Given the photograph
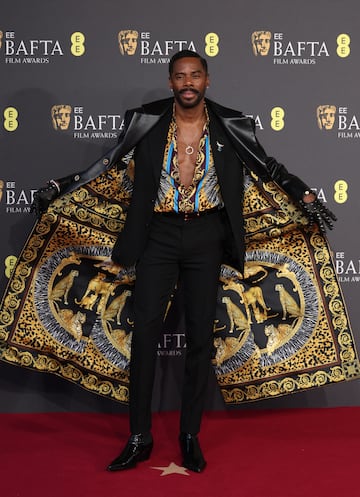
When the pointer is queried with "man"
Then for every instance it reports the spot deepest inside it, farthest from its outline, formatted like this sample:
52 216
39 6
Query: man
184 220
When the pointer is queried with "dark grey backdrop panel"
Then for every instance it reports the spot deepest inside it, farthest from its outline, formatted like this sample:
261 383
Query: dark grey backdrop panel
67 53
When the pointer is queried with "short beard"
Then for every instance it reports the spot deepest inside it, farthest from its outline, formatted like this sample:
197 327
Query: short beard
188 105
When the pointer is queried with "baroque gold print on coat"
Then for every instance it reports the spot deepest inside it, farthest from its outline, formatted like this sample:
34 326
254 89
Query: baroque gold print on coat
280 327
77 302
275 329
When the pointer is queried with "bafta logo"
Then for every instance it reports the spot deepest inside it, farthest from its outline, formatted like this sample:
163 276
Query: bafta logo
60 116
128 39
1 188
326 116
261 42
1 37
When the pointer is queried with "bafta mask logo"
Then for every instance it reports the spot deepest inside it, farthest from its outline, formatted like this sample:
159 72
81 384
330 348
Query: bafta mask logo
1 37
60 115
261 42
326 116
1 189
128 39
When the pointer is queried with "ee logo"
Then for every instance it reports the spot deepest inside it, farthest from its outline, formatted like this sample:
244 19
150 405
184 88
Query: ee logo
340 191
343 45
211 44
277 118
77 44
10 262
10 119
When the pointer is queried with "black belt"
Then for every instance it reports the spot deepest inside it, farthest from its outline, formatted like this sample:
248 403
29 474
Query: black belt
186 216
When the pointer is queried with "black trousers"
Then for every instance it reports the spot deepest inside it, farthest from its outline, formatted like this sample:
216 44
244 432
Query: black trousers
192 251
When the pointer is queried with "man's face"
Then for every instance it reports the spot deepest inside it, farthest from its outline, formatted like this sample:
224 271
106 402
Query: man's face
262 44
327 118
188 82
130 43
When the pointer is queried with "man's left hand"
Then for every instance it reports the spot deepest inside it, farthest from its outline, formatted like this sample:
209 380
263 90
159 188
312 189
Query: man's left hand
317 212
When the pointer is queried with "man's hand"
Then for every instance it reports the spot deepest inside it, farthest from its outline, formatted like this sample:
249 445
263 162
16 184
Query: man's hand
43 198
317 213
309 197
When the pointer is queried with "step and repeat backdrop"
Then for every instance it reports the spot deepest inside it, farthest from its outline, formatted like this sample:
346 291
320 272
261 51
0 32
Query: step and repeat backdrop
69 70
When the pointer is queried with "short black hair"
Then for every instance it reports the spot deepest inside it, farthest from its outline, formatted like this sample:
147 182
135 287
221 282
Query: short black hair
187 53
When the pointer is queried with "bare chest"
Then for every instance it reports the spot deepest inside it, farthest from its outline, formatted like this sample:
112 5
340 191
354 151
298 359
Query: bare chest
188 143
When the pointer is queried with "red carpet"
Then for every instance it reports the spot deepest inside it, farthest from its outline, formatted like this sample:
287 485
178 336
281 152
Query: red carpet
280 453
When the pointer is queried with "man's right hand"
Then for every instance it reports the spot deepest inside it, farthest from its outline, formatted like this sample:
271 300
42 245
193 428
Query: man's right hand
43 198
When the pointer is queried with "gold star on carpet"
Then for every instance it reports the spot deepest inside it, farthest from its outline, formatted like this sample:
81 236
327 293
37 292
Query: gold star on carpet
172 469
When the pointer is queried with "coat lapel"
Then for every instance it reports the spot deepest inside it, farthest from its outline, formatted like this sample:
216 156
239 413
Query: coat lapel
140 124
226 127
218 146
156 140
239 130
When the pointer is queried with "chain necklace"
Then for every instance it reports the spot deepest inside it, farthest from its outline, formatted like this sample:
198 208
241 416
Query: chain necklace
189 149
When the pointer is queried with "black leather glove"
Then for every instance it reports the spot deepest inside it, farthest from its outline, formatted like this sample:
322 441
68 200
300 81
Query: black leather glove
43 198
319 214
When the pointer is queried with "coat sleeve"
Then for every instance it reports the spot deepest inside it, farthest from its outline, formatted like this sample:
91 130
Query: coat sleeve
290 183
66 181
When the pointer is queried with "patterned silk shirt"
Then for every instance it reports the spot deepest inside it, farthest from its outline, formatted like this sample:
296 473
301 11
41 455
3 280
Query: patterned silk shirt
204 191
